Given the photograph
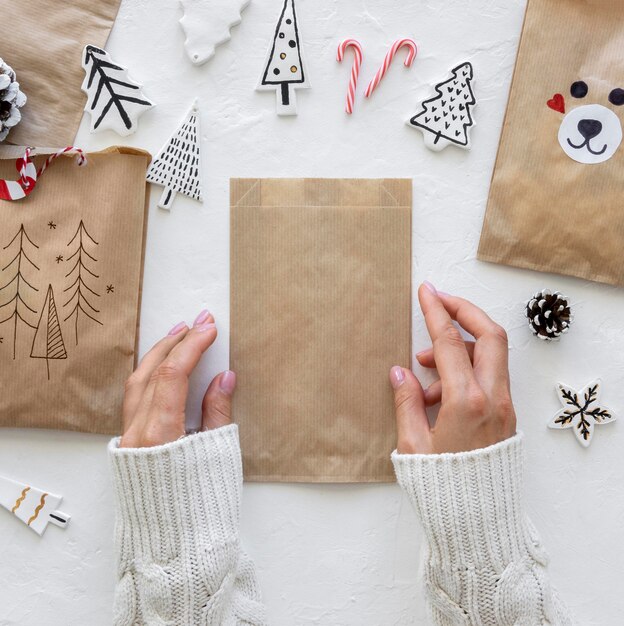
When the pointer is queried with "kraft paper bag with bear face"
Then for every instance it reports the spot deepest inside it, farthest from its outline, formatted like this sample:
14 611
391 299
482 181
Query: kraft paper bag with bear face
320 312
71 260
556 197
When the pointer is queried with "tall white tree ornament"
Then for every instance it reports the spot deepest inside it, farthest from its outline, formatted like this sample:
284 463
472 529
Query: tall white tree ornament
34 507
284 67
207 24
114 100
446 118
177 166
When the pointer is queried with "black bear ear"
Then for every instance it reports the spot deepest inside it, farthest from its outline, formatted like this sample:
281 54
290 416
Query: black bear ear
579 89
617 97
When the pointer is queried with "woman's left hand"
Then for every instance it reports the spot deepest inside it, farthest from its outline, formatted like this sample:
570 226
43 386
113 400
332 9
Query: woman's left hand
154 408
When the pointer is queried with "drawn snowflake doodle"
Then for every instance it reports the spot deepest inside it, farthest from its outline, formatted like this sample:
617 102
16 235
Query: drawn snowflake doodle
581 411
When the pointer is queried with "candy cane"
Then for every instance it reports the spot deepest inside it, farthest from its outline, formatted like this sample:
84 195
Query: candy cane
355 68
17 189
411 55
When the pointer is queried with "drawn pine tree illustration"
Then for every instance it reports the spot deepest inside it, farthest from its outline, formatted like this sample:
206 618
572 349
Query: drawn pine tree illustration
113 99
446 118
177 165
19 288
284 69
48 340
80 294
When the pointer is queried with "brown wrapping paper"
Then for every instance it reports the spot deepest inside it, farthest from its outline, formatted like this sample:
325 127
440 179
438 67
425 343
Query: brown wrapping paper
547 211
42 40
320 311
89 357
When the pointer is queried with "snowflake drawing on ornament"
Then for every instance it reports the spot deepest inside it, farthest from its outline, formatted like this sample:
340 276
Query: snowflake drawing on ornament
581 411
446 118
284 71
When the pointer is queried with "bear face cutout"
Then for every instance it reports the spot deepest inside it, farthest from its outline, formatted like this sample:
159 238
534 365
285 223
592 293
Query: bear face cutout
591 133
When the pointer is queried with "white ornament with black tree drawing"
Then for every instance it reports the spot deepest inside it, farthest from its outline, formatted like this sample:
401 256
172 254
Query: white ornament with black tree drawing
446 118
34 507
284 69
581 411
114 100
177 167
207 24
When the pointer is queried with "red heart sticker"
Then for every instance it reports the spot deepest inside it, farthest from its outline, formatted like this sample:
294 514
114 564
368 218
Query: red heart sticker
557 103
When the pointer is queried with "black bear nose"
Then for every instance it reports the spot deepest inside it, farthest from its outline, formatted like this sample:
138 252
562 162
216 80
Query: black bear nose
589 128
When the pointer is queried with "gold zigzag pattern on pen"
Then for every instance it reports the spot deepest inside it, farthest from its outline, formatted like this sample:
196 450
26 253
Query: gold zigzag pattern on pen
20 500
38 509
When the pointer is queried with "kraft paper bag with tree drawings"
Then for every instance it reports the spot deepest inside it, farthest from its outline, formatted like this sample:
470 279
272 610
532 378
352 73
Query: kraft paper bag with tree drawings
71 258
556 197
42 40
320 311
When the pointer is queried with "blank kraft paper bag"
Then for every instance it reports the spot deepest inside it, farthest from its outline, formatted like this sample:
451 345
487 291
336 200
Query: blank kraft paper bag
556 197
71 259
320 311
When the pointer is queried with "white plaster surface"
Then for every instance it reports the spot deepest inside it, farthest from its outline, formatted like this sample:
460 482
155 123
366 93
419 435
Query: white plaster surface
335 555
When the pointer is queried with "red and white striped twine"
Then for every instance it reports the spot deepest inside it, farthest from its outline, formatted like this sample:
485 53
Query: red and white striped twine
355 68
396 46
82 159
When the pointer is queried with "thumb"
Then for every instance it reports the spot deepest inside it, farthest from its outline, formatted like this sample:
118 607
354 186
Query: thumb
413 434
217 404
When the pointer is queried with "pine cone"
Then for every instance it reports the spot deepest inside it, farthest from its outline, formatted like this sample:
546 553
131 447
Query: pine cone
11 99
548 314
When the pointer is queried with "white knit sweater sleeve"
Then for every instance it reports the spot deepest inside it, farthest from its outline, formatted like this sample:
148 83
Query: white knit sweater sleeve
177 534
484 564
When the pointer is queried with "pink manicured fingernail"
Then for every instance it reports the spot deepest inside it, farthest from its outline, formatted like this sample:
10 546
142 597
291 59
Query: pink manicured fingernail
419 354
429 286
201 318
177 328
397 376
204 327
443 293
227 382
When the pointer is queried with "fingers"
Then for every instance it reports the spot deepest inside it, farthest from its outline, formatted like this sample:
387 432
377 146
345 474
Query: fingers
139 379
427 359
493 350
413 433
217 404
433 393
170 379
451 356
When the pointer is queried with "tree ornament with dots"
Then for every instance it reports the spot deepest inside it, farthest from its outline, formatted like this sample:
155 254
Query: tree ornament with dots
284 69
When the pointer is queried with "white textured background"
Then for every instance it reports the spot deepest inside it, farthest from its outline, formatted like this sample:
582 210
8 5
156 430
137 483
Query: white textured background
335 555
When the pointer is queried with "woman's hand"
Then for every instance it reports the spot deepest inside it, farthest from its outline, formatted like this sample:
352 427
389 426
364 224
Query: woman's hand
476 408
155 399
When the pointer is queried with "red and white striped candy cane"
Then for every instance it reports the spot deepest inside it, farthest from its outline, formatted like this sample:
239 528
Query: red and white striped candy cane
411 55
355 68
28 174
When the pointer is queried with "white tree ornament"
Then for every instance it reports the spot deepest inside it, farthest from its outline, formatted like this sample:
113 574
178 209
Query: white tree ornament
36 508
446 118
581 411
177 165
114 100
207 24
284 67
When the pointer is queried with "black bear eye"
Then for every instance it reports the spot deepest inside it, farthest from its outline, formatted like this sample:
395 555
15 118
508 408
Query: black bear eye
617 97
579 89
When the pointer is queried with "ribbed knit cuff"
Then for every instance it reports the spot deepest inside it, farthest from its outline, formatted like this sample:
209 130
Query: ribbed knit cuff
470 503
166 495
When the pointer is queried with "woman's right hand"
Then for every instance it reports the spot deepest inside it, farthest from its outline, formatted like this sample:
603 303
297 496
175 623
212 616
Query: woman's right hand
476 408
